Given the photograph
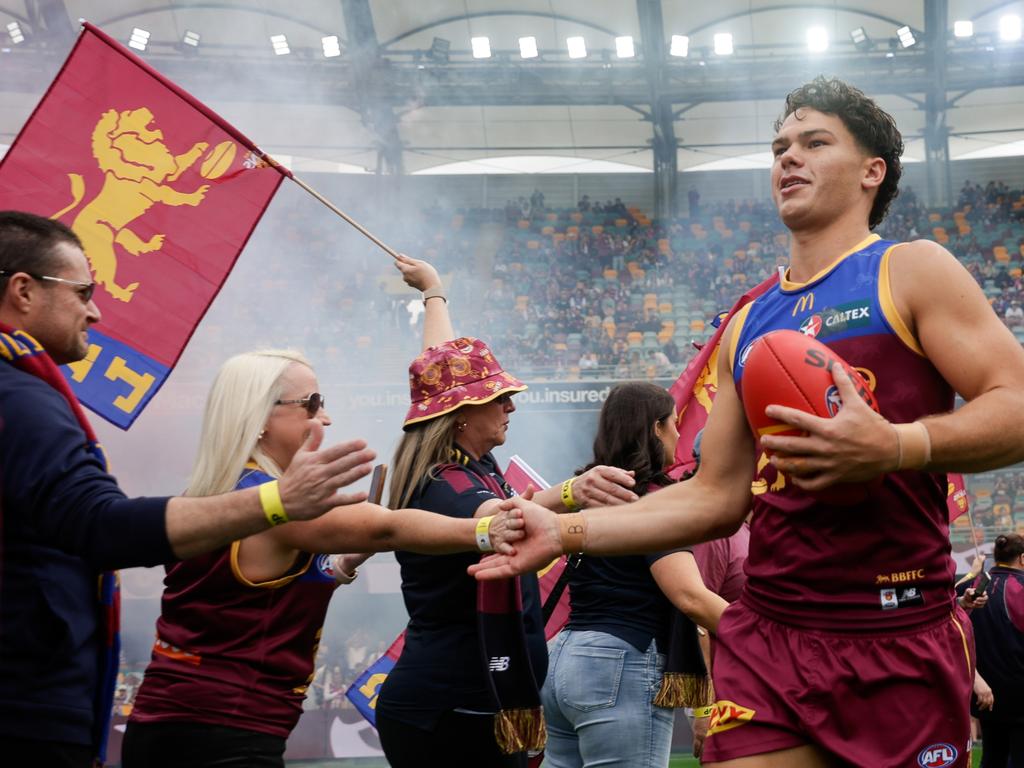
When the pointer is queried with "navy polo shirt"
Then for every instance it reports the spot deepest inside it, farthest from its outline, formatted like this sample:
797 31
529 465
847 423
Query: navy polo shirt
441 667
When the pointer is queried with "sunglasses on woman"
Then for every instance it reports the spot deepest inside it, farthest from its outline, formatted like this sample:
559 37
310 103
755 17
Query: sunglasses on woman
312 404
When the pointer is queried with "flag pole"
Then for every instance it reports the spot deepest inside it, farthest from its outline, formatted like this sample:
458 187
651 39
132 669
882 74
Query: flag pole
362 230
974 536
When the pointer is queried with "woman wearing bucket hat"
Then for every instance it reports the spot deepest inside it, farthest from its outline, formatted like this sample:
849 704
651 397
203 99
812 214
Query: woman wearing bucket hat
240 626
465 688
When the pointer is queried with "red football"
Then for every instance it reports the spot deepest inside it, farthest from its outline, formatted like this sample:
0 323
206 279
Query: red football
791 369
788 368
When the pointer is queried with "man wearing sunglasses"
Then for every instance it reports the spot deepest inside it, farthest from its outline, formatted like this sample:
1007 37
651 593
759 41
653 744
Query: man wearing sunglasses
65 520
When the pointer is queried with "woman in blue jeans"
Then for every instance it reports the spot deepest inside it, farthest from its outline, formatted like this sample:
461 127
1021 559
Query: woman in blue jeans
605 668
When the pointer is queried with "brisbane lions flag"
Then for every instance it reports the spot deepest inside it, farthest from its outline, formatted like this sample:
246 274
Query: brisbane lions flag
695 389
162 192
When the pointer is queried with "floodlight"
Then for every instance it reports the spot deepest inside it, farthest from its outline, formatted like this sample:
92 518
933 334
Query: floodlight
14 30
723 43
280 43
439 50
528 47
906 36
680 46
963 28
577 47
1009 28
331 46
624 48
861 39
139 39
481 47
817 39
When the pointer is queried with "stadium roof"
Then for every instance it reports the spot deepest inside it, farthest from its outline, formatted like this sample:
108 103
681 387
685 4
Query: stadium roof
406 82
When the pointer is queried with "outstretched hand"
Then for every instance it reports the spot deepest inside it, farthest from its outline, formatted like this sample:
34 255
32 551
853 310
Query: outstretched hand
506 529
309 487
417 273
540 545
604 486
857 444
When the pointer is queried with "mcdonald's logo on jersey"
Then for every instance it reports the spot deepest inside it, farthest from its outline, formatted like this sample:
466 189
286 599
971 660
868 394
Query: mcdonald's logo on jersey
804 304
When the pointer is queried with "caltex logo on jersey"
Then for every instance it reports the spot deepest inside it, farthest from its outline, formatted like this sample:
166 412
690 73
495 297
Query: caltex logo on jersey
811 326
937 756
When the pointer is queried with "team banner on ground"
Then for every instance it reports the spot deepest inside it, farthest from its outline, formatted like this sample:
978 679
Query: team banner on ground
162 192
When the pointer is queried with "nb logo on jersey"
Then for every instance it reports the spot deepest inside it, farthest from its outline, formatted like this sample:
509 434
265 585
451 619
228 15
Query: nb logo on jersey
804 304
498 664
937 756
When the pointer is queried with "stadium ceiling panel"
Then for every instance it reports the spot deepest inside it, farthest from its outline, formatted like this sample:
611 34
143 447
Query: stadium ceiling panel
447 107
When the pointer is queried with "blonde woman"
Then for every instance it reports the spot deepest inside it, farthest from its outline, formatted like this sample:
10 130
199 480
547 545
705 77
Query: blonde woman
468 658
239 627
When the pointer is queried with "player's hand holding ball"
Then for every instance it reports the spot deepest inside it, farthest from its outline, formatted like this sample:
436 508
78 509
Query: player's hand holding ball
816 417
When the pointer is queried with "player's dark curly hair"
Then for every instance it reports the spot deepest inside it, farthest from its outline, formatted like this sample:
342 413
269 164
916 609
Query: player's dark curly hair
872 127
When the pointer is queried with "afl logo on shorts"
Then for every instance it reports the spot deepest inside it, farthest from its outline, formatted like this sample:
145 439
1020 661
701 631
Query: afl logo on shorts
937 756
811 326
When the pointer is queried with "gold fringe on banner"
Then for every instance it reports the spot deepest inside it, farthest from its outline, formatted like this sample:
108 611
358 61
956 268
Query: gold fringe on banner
518 730
679 690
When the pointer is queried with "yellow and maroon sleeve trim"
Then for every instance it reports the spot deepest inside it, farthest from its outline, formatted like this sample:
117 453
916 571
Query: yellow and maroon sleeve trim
888 304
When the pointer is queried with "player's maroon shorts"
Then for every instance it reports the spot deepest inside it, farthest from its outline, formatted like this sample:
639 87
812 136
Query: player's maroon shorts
873 700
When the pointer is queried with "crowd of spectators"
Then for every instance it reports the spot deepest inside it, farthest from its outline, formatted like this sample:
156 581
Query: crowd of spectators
597 291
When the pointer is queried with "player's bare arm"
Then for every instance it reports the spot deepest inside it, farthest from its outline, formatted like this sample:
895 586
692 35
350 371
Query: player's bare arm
973 350
710 505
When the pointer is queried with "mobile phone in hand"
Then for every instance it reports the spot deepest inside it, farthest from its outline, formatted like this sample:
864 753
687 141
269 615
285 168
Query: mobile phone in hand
982 584
380 473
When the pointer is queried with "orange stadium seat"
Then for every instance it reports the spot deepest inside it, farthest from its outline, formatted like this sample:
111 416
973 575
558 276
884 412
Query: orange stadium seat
635 338
576 217
1001 254
524 224
611 274
597 229
548 230
533 245
621 222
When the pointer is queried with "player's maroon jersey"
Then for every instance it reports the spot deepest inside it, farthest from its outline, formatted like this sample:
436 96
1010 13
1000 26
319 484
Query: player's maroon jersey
232 652
883 562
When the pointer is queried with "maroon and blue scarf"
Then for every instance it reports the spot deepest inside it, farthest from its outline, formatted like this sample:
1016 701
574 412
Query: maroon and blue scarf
519 724
25 353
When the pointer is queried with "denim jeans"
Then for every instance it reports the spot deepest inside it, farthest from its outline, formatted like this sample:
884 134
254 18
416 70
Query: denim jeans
598 704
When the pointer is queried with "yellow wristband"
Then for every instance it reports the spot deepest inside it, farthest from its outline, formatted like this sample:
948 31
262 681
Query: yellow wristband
483 534
567 497
270 500
703 711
